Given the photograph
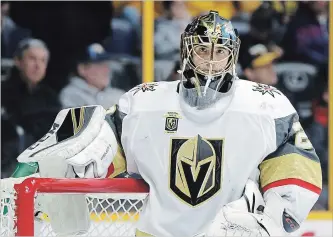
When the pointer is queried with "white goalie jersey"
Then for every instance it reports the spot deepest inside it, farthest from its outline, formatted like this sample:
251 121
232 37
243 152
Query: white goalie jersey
195 162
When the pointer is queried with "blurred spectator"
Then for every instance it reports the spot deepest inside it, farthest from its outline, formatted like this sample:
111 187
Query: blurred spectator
169 28
258 64
126 73
227 9
129 11
13 142
298 83
27 101
28 106
318 132
174 75
11 34
126 29
243 9
123 40
67 27
319 128
261 32
120 7
6 66
281 12
284 9
306 38
90 84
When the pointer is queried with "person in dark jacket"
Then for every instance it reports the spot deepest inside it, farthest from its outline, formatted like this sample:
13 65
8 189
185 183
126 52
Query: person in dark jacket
90 83
306 38
28 106
11 33
261 33
259 64
67 27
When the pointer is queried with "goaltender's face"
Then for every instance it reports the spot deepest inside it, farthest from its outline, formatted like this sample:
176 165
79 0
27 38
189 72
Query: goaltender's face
210 60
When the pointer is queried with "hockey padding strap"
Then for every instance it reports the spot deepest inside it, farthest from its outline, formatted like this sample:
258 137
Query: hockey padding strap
25 169
115 119
291 169
118 165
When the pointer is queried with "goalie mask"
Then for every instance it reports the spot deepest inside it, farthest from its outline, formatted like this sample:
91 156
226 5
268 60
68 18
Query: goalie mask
209 52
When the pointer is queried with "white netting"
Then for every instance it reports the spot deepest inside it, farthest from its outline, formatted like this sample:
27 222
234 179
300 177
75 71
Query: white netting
7 218
7 206
111 214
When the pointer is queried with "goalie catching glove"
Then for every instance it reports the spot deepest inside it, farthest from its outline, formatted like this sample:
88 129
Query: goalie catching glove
80 143
252 216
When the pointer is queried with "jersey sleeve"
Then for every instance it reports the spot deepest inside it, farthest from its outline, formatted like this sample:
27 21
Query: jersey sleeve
293 170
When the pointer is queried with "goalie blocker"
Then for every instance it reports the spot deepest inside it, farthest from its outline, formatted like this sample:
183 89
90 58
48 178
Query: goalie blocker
84 139
82 142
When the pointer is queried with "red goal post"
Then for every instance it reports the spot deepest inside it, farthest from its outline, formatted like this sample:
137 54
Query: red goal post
28 189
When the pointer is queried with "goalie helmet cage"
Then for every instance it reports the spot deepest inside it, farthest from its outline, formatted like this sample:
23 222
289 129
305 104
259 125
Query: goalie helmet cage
114 204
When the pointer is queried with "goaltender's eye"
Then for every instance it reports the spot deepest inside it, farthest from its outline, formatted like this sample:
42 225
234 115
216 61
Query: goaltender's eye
221 51
201 49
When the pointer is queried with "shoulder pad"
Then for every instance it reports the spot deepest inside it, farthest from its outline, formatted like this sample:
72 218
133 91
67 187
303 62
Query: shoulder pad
146 95
279 104
144 87
263 99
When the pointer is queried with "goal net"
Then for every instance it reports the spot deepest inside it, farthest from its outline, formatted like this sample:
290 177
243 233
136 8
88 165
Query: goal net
93 207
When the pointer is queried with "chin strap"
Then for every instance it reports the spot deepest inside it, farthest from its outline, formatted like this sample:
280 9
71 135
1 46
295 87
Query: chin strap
196 84
208 81
183 69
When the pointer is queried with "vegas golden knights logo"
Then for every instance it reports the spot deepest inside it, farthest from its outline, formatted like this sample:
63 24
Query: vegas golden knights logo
195 168
171 121
171 124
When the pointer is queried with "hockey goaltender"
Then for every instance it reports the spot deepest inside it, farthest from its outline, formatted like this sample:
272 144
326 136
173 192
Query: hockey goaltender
222 156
